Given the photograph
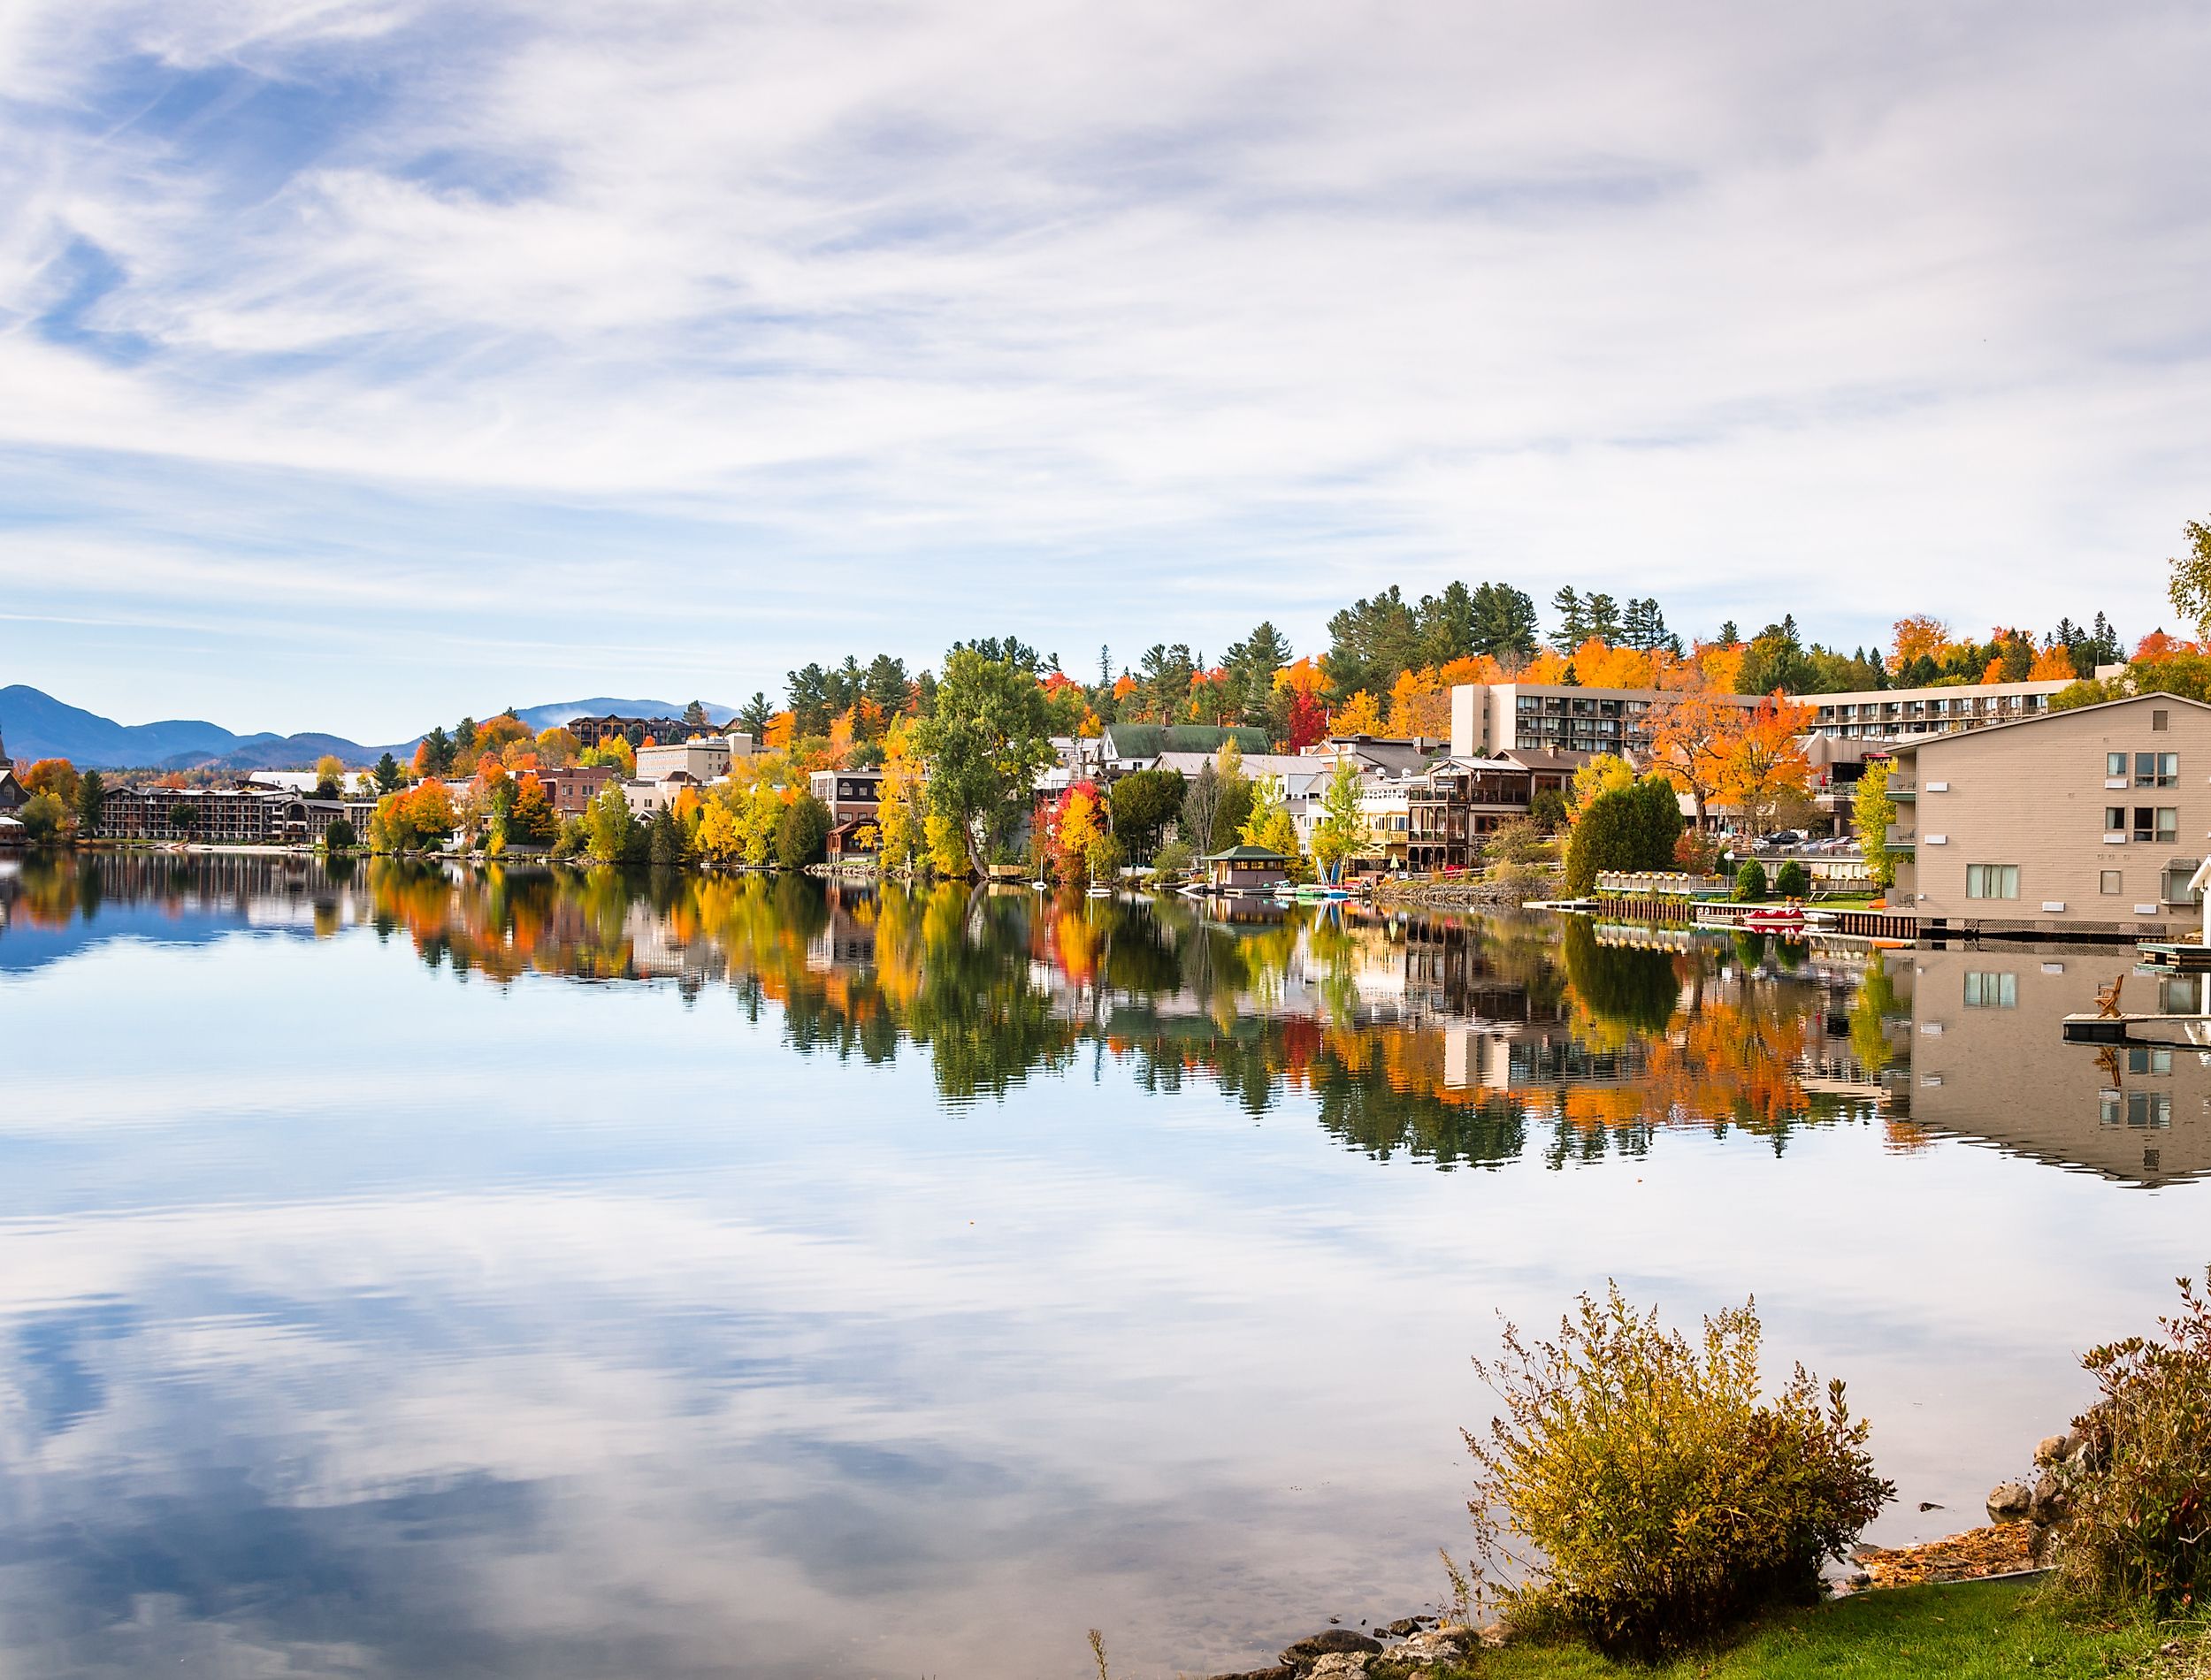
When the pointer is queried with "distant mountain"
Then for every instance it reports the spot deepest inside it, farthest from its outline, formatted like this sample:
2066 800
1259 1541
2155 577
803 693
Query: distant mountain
38 726
35 725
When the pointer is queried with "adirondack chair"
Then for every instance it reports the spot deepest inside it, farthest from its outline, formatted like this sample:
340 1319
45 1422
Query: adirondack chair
2107 999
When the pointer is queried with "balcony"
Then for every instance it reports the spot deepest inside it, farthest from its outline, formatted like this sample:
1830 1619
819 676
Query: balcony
1907 790
1903 841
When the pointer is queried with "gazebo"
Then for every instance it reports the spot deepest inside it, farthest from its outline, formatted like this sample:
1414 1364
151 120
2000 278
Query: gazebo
1247 868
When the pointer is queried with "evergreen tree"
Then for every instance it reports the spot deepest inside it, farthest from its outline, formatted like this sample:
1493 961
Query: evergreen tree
1573 620
753 716
1603 613
388 775
1506 625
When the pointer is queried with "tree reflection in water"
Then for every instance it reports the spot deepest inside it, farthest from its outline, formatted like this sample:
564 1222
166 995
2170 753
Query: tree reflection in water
1453 1040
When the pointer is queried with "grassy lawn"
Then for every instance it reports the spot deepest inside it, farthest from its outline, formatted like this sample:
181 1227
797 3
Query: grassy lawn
1970 1632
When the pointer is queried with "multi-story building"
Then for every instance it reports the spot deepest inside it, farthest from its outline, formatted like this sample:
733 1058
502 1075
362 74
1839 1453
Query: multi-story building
571 790
226 816
2094 817
1492 718
1459 802
853 796
590 732
704 758
1902 713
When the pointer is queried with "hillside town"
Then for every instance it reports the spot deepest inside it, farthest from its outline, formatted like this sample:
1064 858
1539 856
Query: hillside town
1266 775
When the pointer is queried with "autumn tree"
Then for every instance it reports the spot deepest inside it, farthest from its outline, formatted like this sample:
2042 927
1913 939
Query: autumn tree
57 776
1361 714
330 776
1270 824
1077 822
1693 728
986 742
1341 829
1916 637
898 810
1872 808
530 820
1764 765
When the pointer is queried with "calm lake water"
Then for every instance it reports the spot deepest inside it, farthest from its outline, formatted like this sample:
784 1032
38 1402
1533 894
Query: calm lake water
511 1274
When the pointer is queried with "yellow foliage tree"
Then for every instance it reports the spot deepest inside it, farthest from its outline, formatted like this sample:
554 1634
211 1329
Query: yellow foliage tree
1419 704
1361 714
1606 773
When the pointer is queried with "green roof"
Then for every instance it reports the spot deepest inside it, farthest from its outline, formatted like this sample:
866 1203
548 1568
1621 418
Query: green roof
1149 740
1248 854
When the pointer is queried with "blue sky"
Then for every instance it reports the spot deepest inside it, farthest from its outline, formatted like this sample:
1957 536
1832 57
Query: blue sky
364 364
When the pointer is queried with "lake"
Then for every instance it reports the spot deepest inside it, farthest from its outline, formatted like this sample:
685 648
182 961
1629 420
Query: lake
436 1273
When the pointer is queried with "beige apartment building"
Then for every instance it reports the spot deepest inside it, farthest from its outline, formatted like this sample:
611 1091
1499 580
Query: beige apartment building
2091 818
1901 713
1489 719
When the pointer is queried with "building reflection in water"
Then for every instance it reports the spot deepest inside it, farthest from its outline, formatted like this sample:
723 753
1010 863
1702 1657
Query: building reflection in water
1987 1059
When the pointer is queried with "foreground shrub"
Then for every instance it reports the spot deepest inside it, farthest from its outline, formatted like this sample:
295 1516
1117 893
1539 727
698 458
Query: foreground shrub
1660 1500
1750 882
1792 880
2137 1488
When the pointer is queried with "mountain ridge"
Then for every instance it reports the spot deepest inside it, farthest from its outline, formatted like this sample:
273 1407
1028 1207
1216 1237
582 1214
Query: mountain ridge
35 725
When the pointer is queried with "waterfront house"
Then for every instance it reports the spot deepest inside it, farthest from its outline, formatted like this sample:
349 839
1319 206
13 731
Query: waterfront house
13 794
1457 804
2094 819
1246 869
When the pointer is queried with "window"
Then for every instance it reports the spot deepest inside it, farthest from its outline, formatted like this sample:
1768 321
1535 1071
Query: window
2114 765
1991 881
2152 1109
1991 991
2111 883
2156 769
2160 720
2115 819
2175 888
2144 1058
2156 822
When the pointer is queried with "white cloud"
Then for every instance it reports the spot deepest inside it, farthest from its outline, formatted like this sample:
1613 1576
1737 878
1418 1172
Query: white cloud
1855 313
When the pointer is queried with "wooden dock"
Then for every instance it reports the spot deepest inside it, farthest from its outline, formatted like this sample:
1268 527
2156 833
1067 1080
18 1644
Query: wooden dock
2195 1030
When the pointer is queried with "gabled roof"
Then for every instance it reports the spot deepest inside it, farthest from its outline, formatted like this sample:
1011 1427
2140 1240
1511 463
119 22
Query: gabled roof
1248 854
1914 744
1149 740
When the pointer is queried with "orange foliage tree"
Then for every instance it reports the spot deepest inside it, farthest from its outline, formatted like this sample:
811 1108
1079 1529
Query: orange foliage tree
1915 636
1694 729
2051 665
1764 764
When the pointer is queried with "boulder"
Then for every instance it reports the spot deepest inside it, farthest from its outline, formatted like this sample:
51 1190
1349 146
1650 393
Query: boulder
1425 1650
1285 1672
1340 1665
2009 1503
2046 1504
1403 1625
1329 1642
2052 1449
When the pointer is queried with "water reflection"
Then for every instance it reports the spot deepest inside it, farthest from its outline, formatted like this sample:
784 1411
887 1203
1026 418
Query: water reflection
410 1272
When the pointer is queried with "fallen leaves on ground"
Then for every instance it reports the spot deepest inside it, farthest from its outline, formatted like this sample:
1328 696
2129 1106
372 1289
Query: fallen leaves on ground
1997 1550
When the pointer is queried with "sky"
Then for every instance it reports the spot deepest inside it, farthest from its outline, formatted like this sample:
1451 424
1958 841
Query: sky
363 363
